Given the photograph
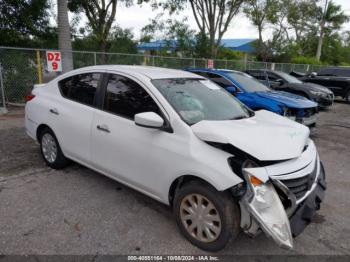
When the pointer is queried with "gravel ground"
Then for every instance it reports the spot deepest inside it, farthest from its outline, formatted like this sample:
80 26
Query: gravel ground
77 211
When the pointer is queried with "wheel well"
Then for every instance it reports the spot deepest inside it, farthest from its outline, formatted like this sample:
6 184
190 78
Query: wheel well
39 129
179 182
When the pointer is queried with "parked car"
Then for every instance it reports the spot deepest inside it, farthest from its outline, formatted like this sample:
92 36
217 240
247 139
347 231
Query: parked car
186 142
281 81
334 71
257 96
336 80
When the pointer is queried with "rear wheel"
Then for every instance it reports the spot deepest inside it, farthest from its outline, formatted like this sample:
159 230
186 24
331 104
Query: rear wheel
206 217
51 150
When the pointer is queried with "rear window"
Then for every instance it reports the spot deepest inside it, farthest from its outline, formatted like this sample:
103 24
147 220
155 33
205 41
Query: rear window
80 88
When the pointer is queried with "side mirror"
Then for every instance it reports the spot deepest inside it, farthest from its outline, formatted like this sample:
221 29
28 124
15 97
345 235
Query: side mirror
148 119
313 74
280 82
231 89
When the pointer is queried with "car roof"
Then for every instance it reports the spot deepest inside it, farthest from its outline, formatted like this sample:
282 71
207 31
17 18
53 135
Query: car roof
148 71
216 70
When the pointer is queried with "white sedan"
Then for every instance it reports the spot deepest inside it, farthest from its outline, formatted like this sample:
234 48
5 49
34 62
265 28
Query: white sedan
186 142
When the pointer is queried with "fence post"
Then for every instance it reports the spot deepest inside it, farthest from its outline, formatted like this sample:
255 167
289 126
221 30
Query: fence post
95 61
194 62
38 62
3 106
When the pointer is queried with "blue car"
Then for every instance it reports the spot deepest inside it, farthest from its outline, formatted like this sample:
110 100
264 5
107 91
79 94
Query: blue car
257 96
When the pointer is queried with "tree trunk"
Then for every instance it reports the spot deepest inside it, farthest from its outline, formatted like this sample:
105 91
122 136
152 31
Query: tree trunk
320 42
260 52
214 48
64 38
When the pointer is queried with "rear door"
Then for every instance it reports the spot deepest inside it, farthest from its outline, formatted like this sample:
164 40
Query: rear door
120 148
70 115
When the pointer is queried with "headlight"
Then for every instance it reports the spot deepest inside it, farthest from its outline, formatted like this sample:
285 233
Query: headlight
288 113
317 93
267 208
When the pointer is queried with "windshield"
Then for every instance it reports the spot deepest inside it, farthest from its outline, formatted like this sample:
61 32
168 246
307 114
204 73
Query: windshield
197 99
248 83
289 78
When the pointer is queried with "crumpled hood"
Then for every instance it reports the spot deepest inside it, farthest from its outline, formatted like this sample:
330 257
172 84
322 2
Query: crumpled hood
288 99
265 136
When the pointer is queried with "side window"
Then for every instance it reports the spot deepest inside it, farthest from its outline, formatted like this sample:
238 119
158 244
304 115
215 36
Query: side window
201 74
80 88
272 77
258 75
126 98
219 80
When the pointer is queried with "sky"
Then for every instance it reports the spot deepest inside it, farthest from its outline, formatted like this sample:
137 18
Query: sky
136 17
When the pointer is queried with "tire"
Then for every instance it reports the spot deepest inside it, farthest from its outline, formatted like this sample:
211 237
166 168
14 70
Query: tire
54 160
347 97
224 207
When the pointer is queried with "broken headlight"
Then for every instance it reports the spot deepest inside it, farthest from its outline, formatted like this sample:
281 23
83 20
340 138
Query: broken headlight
287 112
266 207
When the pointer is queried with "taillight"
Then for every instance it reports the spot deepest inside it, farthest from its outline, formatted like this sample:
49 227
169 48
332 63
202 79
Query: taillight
29 97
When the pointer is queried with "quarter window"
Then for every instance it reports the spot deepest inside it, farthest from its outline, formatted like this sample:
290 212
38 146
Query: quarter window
219 80
126 98
80 88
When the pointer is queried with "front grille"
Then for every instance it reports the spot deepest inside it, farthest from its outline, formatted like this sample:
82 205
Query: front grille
299 186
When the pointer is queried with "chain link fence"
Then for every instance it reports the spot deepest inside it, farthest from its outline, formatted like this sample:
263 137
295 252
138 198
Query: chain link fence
2 94
24 67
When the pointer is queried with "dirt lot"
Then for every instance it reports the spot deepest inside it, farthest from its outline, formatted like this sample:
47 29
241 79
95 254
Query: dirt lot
78 211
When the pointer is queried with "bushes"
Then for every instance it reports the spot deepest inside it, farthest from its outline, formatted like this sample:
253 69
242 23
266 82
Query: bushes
305 60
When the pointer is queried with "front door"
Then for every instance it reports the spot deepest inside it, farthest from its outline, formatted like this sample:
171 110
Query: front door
120 148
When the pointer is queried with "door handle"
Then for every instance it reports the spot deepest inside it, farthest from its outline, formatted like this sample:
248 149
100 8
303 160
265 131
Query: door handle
54 111
103 128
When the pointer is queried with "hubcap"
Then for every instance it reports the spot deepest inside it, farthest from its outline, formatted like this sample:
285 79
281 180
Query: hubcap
49 148
200 218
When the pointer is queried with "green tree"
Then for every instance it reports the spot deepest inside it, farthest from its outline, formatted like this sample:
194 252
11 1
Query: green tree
212 17
332 19
25 22
170 30
260 12
100 15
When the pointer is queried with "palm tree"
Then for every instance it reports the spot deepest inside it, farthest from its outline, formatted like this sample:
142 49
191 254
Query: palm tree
333 17
64 37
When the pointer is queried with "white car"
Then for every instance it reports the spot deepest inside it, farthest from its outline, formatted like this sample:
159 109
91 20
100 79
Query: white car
186 142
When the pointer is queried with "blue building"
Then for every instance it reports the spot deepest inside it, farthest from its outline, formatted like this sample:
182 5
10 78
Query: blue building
241 45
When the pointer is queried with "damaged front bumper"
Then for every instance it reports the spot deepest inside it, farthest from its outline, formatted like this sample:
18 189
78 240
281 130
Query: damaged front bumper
288 201
307 208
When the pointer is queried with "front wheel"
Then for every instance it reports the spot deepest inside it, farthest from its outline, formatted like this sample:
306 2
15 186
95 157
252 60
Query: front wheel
347 97
206 217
